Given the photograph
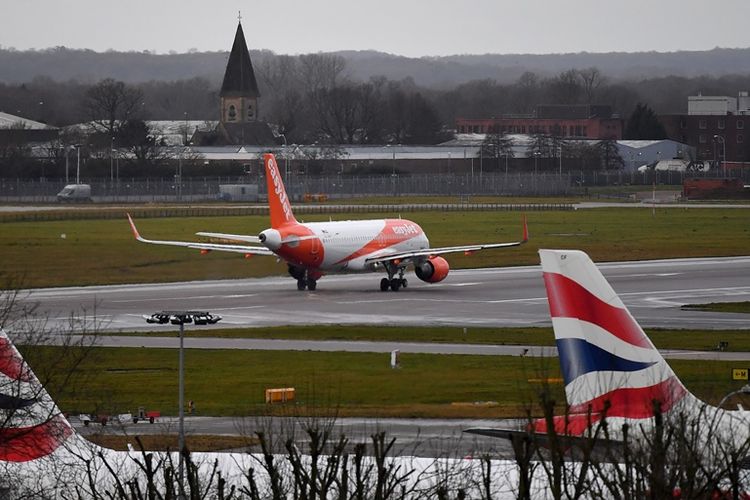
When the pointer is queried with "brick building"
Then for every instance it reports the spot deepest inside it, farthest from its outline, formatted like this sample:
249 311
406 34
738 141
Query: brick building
570 121
716 126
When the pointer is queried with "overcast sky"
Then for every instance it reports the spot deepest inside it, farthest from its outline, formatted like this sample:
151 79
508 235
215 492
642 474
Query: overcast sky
405 27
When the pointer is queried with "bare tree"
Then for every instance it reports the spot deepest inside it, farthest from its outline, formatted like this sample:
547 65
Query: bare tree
592 79
109 104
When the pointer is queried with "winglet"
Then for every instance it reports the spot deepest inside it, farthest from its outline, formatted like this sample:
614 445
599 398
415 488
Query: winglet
133 228
525 230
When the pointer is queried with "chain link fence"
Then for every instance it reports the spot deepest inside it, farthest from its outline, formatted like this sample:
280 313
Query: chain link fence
203 189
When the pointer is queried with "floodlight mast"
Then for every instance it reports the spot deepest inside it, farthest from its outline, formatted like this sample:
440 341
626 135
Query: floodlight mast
180 318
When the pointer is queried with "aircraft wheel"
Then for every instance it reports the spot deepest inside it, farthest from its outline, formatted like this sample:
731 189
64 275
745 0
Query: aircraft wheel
403 282
395 284
301 285
312 285
384 284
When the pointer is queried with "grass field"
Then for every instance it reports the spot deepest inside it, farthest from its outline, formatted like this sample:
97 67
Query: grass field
65 253
739 340
355 384
733 307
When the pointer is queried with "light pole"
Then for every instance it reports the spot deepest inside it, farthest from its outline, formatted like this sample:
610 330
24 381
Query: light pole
720 138
78 163
180 318
111 161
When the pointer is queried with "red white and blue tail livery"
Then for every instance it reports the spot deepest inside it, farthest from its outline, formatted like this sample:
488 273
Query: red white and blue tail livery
314 249
610 368
32 426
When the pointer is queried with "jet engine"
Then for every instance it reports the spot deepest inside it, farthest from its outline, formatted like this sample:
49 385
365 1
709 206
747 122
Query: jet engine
271 238
432 270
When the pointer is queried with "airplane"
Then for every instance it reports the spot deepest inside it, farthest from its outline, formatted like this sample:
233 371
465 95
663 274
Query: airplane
612 372
317 248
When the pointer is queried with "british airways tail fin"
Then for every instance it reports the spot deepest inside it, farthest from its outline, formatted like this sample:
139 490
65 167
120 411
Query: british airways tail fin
32 424
278 202
609 365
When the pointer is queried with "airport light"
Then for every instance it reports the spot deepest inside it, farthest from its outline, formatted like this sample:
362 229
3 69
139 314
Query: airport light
180 318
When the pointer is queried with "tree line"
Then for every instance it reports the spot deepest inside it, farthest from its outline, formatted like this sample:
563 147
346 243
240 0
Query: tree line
314 97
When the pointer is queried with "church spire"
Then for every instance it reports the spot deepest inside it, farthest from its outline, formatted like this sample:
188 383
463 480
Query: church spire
239 77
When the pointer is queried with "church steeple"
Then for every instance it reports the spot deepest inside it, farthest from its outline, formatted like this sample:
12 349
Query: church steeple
239 90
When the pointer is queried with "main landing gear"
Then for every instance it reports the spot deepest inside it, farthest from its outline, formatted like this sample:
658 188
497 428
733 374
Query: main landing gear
308 283
305 279
393 283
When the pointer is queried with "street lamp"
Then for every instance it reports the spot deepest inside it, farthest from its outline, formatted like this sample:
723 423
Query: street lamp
180 318
78 163
720 138
111 161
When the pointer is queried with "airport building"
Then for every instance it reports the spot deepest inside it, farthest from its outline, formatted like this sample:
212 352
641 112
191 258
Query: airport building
568 121
716 126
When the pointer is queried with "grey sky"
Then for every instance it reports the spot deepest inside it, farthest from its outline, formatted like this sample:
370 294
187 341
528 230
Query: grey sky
404 27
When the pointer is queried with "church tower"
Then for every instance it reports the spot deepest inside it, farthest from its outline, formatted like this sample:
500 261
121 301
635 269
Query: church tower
238 119
239 90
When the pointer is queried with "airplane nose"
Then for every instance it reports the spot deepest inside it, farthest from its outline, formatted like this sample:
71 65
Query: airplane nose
271 238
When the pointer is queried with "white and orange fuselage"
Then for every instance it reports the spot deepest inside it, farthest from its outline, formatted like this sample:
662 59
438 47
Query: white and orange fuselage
343 246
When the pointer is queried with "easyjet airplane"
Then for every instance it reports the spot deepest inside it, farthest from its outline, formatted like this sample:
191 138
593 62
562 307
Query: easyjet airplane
317 248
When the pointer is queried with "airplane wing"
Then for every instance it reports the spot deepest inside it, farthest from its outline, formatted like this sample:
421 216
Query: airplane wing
606 449
467 249
244 249
232 237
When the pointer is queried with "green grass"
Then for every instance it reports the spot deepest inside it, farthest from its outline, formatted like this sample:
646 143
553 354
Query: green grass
229 382
732 307
739 340
62 253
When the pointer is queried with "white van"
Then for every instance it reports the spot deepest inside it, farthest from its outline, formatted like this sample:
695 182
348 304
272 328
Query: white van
75 192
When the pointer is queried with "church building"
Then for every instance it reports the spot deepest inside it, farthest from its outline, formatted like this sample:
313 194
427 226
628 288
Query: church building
239 96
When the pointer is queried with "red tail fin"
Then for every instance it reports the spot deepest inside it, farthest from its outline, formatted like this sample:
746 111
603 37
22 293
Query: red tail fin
278 202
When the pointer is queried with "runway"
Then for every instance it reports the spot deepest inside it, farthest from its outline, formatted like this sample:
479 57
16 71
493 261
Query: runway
653 290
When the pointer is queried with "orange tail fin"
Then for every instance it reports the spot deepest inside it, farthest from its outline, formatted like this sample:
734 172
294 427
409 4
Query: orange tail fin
278 202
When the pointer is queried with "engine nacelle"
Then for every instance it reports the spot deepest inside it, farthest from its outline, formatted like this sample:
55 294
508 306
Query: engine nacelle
271 238
432 270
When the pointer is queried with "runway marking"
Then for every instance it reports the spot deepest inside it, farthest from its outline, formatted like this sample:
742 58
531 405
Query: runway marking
647 275
190 297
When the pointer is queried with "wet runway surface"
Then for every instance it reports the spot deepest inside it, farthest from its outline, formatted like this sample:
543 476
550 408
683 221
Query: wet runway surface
653 290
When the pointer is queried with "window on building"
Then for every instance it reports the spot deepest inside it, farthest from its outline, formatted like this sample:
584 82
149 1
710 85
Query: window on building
683 122
250 112
583 131
721 124
702 138
740 124
232 114
703 124
740 139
